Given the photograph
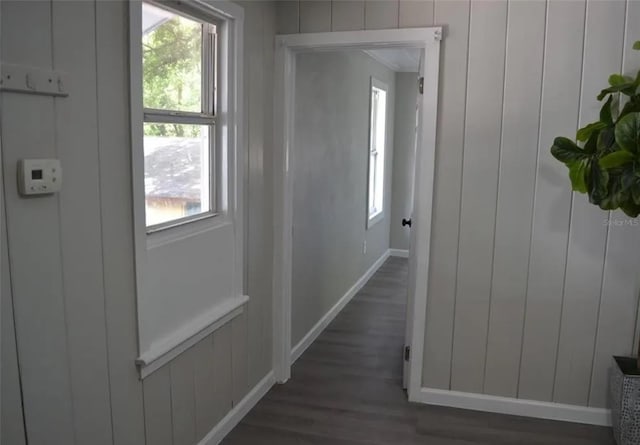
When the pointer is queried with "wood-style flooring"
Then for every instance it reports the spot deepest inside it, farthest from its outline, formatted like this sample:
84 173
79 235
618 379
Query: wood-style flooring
346 390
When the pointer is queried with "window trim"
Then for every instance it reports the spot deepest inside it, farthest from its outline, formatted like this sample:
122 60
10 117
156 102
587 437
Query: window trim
380 214
207 115
230 133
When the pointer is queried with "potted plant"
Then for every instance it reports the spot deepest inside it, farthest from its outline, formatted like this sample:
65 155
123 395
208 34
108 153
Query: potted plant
605 164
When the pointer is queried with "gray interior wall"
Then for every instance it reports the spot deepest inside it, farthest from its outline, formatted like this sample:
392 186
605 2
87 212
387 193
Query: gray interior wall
330 180
403 159
11 420
530 290
74 301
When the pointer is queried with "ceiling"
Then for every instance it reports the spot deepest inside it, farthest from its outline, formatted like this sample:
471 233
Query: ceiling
405 60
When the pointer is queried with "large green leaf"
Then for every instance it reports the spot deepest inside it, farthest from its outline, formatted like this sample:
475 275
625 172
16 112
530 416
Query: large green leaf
606 141
630 208
605 112
627 88
616 159
591 146
635 192
636 45
632 105
628 132
627 177
565 150
619 79
598 180
615 195
615 107
578 175
585 132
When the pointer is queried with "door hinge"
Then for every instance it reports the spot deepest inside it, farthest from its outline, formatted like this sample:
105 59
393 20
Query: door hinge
421 85
407 353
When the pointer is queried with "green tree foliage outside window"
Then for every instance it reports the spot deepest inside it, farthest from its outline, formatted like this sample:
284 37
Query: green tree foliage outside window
172 72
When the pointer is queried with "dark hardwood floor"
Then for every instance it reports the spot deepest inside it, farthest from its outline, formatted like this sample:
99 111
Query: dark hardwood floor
346 390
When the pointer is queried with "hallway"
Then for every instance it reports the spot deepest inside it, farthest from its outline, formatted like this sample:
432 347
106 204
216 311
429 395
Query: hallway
346 390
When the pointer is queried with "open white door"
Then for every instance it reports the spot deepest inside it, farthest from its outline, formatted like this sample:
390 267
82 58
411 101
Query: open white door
411 278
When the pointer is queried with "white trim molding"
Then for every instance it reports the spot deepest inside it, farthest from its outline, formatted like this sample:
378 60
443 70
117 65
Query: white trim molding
233 417
164 351
516 407
321 325
400 253
157 347
287 46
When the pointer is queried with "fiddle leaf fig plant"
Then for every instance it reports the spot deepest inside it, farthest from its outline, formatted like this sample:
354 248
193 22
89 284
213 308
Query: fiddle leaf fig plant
605 161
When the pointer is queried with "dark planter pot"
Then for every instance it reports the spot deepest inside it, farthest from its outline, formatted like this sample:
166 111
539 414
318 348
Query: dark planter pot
624 389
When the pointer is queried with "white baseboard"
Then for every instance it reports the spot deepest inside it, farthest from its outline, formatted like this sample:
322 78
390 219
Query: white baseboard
229 422
320 326
516 407
402 253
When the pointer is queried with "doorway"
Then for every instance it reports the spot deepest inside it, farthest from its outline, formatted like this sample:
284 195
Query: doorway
426 41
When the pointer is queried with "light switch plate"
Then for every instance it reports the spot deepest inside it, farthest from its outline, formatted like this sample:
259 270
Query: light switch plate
39 176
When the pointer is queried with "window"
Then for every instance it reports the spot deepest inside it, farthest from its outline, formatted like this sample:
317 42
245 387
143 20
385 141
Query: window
377 134
187 160
179 92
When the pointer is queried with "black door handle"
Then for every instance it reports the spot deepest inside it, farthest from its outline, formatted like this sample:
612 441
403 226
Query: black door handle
406 222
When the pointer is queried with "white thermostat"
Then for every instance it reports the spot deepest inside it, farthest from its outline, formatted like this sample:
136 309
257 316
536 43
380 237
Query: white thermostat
39 176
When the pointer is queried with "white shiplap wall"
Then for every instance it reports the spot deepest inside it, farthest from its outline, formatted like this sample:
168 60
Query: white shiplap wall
530 292
68 277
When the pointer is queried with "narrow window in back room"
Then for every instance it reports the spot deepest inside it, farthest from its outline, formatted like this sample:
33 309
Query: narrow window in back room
377 128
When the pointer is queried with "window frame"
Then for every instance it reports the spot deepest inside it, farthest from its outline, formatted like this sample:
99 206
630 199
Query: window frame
373 219
155 352
210 71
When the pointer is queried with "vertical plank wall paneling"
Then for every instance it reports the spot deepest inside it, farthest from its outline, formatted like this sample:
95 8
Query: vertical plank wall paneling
263 288
76 324
239 357
39 303
412 13
127 411
11 419
259 67
481 160
224 379
380 14
547 260
183 398
253 59
604 37
542 291
204 387
74 51
315 16
157 407
288 17
347 15
618 299
524 53
447 192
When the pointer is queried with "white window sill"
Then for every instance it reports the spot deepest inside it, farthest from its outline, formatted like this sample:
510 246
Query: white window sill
184 231
375 219
164 351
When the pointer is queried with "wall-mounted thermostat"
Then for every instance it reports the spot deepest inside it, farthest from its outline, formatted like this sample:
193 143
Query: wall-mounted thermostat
39 176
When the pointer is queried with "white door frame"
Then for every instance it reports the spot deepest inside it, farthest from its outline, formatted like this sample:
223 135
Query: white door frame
286 48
